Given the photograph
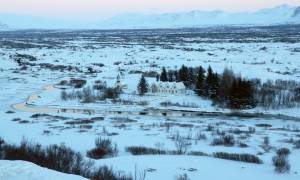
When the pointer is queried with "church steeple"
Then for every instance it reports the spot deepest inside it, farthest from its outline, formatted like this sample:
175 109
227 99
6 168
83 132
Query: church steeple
118 79
118 82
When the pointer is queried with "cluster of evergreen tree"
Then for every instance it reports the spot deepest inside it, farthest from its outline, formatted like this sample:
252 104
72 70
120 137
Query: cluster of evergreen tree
184 74
226 89
230 90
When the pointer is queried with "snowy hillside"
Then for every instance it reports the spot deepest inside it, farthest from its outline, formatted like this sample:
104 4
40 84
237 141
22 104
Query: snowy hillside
22 170
283 14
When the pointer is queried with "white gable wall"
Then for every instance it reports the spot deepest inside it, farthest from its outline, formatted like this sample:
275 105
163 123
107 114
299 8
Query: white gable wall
168 88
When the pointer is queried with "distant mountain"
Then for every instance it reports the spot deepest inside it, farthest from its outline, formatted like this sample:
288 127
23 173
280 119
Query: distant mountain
279 15
283 14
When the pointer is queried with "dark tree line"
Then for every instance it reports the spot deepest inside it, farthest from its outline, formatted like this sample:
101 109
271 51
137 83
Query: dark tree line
184 74
226 89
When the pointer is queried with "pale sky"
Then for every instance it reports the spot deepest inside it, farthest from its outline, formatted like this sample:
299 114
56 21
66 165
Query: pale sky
107 8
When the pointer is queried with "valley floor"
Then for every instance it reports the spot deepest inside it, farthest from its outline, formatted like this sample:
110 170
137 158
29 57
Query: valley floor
31 106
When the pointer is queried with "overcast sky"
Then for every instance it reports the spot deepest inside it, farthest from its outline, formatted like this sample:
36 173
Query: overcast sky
107 8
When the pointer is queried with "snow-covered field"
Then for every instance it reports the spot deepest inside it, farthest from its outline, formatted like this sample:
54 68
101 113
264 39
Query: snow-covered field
256 53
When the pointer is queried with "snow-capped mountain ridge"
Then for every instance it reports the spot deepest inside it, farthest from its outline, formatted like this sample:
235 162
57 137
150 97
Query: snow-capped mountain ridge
283 14
279 15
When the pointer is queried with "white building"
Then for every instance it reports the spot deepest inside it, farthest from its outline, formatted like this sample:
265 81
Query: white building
168 88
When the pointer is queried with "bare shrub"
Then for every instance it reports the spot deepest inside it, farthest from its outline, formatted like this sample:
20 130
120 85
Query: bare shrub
106 173
197 153
200 136
182 177
104 148
59 158
280 161
263 125
226 140
140 150
182 144
283 152
281 164
80 121
139 174
24 122
249 158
